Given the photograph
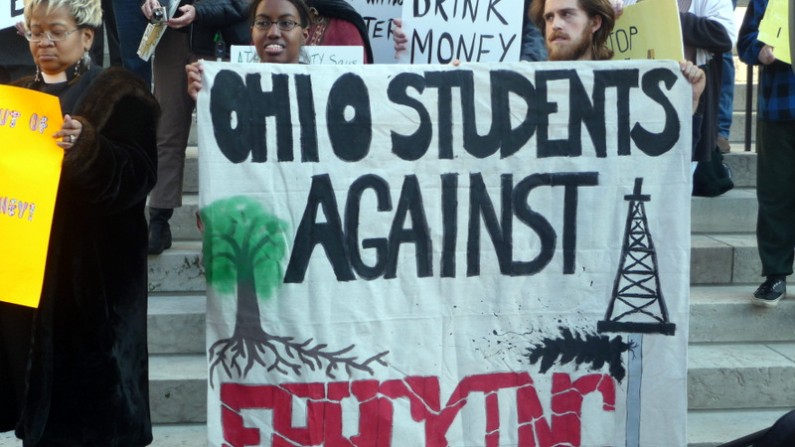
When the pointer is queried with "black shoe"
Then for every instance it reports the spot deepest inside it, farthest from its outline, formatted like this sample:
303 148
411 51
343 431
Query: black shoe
771 291
159 230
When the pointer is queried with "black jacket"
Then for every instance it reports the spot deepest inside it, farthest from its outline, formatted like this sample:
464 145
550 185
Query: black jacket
229 18
710 35
88 364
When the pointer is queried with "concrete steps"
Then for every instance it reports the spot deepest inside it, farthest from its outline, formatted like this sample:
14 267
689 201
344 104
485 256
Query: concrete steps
741 360
741 370
715 259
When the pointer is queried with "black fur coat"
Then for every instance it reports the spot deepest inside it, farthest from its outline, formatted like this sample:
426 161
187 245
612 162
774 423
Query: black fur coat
87 373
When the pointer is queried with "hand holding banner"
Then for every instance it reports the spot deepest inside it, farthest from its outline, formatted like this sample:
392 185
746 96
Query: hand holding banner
30 168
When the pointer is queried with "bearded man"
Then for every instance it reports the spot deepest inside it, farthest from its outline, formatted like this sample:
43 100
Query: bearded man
575 29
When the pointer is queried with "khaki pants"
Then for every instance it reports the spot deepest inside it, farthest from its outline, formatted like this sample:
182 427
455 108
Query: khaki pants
171 90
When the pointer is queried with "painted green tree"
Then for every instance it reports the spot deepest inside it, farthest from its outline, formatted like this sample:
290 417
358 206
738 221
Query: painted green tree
244 248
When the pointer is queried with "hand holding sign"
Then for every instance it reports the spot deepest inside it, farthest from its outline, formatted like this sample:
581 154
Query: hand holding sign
774 31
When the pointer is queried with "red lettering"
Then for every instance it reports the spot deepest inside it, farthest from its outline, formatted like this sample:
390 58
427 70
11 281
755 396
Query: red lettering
324 421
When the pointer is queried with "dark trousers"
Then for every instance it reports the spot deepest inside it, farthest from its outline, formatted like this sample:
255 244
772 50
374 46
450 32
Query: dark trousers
15 331
775 183
130 25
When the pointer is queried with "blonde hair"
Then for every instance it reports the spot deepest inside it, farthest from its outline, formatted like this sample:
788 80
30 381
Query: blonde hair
87 13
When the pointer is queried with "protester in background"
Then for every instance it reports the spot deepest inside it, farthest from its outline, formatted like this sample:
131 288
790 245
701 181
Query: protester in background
130 26
191 34
85 379
775 146
330 22
335 22
726 101
533 47
532 43
279 31
575 29
15 60
109 21
707 31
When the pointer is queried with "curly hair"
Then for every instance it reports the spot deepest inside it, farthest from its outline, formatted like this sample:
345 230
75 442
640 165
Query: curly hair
87 13
593 8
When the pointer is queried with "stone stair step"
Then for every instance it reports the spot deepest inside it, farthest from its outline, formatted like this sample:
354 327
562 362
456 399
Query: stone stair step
177 269
178 388
741 375
165 435
715 259
720 376
732 212
743 166
176 324
179 435
724 314
737 129
183 222
705 429
740 90
724 259
711 428
190 181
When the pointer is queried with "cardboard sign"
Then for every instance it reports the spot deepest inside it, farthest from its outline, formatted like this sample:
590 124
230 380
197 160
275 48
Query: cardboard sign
774 29
378 16
648 30
11 12
30 168
431 256
315 55
467 30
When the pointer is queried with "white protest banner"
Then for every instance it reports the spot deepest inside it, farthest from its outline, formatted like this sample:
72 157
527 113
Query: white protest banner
315 55
467 30
433 256
11 12
378 16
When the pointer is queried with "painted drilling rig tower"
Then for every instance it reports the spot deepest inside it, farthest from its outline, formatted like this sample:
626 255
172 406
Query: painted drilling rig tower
637 305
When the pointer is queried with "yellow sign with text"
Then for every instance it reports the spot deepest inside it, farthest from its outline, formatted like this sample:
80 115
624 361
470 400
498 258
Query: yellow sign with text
649 29
774 29
30 169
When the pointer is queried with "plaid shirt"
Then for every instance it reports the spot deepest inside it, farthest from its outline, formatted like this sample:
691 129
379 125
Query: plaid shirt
777 81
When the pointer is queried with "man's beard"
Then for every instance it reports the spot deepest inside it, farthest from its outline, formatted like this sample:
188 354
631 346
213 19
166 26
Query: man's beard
571 50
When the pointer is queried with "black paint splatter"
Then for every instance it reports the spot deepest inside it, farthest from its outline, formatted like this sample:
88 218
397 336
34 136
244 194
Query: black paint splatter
596 350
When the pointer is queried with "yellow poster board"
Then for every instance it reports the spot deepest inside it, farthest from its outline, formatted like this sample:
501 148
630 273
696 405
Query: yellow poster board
649 29
30 168
774 29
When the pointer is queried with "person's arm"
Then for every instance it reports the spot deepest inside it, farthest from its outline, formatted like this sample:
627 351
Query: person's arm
749 48
704 33
113 162
194 72
697 79
218 13
399 37
533 47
